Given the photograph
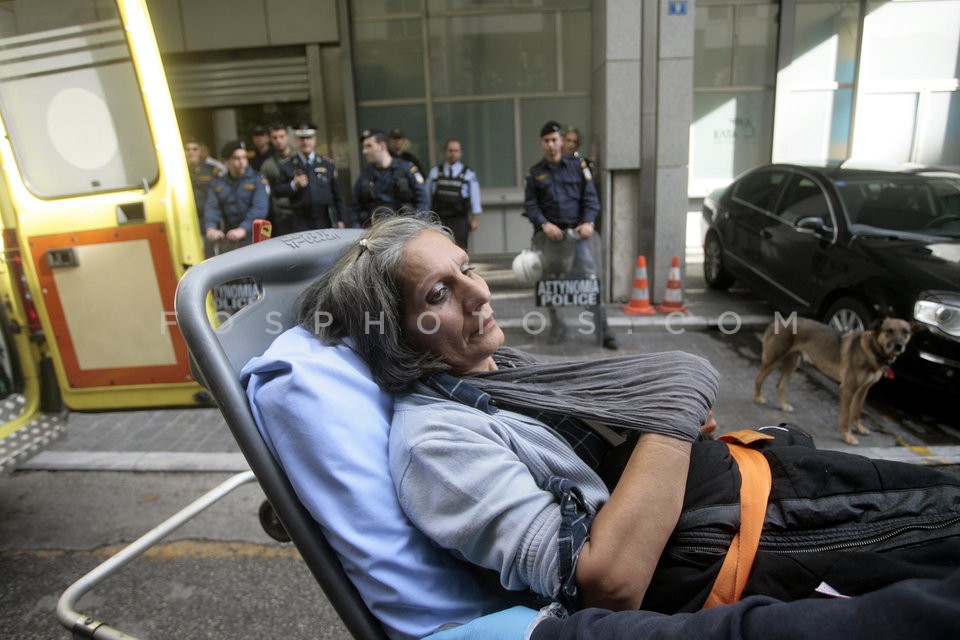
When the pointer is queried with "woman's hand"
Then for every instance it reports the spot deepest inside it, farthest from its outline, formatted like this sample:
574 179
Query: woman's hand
631 530
710 426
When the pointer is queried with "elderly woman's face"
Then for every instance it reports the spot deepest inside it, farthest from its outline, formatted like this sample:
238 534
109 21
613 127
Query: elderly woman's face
447 305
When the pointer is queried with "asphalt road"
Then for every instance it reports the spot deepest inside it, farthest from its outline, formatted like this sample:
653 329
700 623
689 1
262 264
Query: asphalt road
219 576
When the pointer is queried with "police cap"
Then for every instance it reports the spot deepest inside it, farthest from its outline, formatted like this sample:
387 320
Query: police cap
232 146
261 130
377 133
397 133
305 130
552 126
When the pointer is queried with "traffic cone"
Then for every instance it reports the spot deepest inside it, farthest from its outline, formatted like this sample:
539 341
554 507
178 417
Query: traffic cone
673 296
639 304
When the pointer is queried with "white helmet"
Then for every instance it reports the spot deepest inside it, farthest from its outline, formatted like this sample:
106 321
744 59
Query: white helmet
528 267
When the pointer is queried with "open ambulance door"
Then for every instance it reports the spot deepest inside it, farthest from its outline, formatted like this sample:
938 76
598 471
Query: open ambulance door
97 215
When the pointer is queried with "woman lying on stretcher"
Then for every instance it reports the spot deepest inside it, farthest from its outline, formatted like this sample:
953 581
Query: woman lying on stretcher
500 458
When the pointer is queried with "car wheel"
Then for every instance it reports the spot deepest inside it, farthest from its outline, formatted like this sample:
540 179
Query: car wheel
848 314
714 273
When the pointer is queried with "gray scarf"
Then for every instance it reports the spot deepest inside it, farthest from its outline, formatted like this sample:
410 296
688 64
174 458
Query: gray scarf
669 393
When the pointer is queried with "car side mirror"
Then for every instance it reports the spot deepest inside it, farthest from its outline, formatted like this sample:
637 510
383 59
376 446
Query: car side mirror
813 224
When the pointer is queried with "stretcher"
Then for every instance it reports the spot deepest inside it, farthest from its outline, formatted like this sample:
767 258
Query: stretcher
282 268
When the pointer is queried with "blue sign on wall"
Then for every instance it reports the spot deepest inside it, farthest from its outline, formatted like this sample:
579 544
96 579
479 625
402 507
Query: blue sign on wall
677 7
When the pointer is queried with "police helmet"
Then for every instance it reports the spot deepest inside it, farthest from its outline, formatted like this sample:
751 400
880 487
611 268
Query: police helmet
527 266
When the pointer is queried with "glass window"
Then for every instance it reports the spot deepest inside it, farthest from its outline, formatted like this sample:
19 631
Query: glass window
70 101
825 42
411 118
713 46
455 5
884 126
903 203
939 138
735 53
493 54
490 64
535 112
486 131
802 199
760 189
910 41
819 124
756 52
732 132
576 50
384 7
389 59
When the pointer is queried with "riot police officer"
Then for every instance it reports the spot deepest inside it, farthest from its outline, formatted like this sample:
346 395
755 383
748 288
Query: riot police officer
386 181
310 181
235 200
561 201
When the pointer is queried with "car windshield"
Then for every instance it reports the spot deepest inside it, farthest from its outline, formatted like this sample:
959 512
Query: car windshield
925 204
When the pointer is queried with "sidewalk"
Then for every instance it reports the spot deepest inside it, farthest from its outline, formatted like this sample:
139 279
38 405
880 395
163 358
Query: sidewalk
724 328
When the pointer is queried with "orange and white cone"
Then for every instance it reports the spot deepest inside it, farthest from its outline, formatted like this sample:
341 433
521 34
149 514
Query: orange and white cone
639 304
673 296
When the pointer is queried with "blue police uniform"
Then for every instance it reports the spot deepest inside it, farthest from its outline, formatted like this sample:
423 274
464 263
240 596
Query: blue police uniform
233 203
320 204
400 184
202 175
562 193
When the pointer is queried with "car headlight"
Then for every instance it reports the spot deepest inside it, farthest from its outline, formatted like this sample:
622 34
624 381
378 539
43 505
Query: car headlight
942 315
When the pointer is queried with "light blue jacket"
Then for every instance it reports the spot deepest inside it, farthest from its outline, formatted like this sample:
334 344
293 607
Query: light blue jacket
476 484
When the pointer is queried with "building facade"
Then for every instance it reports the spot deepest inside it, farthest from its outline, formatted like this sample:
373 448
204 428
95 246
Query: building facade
673 98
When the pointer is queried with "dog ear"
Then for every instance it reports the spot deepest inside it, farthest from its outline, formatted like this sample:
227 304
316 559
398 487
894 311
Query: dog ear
876 325
916 327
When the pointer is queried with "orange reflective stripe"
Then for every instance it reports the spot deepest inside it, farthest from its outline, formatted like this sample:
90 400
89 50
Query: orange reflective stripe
744 436
755 482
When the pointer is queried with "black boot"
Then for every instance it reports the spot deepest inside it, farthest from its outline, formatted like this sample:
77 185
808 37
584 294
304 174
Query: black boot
558 330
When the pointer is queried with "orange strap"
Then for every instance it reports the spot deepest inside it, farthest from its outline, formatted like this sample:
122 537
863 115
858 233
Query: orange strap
755 485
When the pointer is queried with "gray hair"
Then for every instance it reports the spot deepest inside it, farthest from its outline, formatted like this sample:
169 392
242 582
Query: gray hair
359 300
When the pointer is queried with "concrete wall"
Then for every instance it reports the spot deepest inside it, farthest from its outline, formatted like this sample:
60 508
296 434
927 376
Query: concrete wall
209 25
643 106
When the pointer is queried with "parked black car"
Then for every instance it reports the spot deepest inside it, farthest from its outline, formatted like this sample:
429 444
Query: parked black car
846 246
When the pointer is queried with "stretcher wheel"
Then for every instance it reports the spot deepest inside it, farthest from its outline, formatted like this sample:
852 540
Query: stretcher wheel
271 523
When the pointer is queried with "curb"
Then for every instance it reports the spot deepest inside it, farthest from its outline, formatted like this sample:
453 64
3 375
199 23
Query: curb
135 461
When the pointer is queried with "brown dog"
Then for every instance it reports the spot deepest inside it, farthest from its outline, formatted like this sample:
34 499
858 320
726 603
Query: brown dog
855 359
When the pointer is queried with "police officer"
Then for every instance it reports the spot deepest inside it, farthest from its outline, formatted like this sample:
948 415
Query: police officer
386 181
235 200
201 174
310 181
561 202
281 213
262 148
455 193
398 148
